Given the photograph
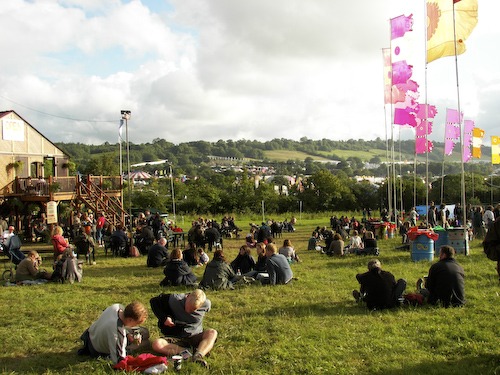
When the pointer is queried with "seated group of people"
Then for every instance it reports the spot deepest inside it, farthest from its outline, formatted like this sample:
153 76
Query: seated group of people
365 244
65 268
28 267
444 284
118 332
272 265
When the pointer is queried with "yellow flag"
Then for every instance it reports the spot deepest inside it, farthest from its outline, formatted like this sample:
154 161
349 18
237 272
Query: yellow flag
477 141
440 38
495 150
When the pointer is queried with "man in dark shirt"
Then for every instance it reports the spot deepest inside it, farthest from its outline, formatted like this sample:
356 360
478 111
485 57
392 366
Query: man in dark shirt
180 319
212 236
277 266
144 238
379 289
445 281
158 254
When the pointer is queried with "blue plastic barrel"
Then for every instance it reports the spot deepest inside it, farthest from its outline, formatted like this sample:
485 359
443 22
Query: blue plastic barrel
422 248
441 241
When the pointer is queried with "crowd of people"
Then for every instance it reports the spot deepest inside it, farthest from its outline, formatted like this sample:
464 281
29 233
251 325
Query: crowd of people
118 332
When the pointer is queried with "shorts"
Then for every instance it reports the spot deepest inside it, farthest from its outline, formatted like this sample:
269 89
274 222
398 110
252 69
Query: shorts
185 342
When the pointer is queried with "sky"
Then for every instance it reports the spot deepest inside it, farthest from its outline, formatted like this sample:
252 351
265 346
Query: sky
191 70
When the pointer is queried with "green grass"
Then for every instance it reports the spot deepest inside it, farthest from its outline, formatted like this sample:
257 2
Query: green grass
284 155
310 327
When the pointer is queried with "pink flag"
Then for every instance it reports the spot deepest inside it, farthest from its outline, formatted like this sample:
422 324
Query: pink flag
400 25
386 54
468 129
400 90
405 116
425 111
452 116
422 145
452 130
401 72
423 128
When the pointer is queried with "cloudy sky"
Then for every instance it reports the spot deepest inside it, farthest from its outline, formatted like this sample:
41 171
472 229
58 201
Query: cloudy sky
227 69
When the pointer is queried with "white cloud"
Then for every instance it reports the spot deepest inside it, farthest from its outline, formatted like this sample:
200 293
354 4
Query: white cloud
224 69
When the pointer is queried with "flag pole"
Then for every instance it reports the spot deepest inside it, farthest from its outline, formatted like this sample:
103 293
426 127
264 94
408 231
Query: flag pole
427 182
389 191
442 164
464 207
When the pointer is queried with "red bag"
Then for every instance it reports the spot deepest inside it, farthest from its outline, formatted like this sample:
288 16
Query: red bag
139 363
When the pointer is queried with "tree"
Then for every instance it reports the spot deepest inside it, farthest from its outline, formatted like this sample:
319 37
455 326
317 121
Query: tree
326 192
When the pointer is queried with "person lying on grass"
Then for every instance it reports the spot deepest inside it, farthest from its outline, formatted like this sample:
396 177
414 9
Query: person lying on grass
180 319
116 332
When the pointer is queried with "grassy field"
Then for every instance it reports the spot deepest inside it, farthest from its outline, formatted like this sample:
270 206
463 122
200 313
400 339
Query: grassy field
310 327
284 155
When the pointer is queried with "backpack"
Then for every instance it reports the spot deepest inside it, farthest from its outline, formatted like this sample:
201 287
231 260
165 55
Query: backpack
491 243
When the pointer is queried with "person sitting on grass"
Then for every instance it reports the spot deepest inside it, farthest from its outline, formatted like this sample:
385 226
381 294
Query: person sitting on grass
203 257
190 255
370 245
313 243
277 266
112 334
289 252
379 288
336 246
158 254
243 263
355 243
260 270
445 282
218 274
180 320
29 268
177 272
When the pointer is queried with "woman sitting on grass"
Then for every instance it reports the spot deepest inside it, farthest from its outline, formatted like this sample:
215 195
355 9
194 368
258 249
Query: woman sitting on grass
243 263
336 246
355 243
218 274
177 272
289 252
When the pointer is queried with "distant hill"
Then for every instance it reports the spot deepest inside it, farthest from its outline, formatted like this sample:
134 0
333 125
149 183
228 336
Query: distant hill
195 154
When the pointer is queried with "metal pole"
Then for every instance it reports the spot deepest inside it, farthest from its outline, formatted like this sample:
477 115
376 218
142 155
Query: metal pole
263 217
173 193
491 184
126 116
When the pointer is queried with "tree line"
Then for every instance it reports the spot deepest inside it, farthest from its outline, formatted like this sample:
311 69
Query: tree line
199 186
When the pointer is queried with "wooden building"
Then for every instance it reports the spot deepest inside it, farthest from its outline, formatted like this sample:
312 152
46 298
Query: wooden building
33 170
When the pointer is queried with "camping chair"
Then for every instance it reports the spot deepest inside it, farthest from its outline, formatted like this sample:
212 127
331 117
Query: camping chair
13 251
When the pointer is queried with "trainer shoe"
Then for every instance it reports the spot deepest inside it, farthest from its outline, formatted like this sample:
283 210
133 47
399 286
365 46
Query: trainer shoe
197 358
357 295
420 284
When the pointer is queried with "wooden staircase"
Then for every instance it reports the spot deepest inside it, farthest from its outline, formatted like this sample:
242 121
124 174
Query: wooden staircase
90 193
